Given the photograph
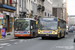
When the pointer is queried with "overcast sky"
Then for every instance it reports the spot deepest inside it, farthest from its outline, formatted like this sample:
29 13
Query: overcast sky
71 7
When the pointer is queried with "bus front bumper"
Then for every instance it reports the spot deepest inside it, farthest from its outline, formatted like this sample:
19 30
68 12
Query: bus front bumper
49 35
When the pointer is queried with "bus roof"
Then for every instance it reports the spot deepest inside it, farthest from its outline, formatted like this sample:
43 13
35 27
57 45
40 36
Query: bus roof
55 18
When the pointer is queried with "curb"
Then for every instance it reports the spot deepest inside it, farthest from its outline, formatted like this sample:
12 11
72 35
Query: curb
6 39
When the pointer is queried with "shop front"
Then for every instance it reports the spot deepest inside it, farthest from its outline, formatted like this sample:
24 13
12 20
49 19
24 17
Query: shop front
8 17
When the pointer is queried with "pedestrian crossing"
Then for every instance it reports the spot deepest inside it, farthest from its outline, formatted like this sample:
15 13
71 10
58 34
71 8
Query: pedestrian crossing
15 42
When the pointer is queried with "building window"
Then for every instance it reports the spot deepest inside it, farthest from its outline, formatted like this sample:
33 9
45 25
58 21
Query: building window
48 14
20 3
5 1
45 13
34 0
10 1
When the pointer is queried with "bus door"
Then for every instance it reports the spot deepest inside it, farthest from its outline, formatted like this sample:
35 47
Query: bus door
33 28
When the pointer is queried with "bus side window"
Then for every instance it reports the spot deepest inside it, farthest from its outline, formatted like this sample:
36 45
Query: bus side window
33 24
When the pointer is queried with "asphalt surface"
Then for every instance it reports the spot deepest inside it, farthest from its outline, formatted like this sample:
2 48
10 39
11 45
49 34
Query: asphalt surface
39 44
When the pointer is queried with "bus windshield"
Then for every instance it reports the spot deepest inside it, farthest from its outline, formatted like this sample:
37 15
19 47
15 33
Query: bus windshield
22 25
47 25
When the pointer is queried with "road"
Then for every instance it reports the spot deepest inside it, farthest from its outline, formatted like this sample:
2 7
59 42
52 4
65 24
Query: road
39 44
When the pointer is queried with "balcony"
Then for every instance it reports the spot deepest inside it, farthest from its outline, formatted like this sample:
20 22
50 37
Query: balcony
43 8
43 0
31 11
39 7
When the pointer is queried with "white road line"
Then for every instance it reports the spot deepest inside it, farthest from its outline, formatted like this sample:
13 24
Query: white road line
55 45
1 47
4 44
21 41
11 40
16 43
9 45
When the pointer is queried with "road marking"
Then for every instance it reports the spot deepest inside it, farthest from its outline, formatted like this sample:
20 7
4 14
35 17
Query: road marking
55 45
1 47
16 43
9 45
11 40
21 41
4 44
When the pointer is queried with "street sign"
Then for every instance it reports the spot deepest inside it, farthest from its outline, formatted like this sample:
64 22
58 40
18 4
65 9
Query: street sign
0 26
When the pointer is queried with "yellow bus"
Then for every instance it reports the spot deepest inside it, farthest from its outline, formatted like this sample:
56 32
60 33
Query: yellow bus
51 27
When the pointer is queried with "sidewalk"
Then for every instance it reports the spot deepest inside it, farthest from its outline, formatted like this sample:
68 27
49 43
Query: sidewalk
8 37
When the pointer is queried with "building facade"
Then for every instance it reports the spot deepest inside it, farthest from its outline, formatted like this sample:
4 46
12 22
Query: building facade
48 8
25 7
7 8
31 8
40 8
57 8
71 20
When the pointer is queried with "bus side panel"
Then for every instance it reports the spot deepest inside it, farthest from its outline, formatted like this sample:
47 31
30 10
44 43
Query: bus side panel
22 35
62 25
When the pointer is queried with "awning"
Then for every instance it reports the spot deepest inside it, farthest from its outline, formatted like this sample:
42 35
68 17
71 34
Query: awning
7 7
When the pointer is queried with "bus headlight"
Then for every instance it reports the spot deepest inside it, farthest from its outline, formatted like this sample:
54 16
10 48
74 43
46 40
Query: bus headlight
55 32
38 31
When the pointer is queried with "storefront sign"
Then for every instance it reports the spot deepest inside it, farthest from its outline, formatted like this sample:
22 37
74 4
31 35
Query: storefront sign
1 16
9 13
0 26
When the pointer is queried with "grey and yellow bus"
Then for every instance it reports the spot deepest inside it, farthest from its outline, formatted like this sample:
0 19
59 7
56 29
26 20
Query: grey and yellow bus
25 27
51 27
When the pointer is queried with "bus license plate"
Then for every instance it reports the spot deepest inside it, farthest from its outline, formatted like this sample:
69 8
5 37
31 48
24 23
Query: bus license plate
47 35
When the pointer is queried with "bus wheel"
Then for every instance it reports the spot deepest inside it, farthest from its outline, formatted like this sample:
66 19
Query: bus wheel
43 37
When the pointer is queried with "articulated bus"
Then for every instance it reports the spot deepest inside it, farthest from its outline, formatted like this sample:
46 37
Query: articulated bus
25 27
51 27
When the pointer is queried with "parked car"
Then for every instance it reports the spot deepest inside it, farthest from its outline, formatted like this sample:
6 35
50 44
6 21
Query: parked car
71 29
74 29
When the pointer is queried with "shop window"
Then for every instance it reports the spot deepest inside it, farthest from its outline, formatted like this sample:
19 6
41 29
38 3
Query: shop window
48 14
10 22
5 23
45 13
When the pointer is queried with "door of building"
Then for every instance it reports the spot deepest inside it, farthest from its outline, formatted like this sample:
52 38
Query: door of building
9 24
